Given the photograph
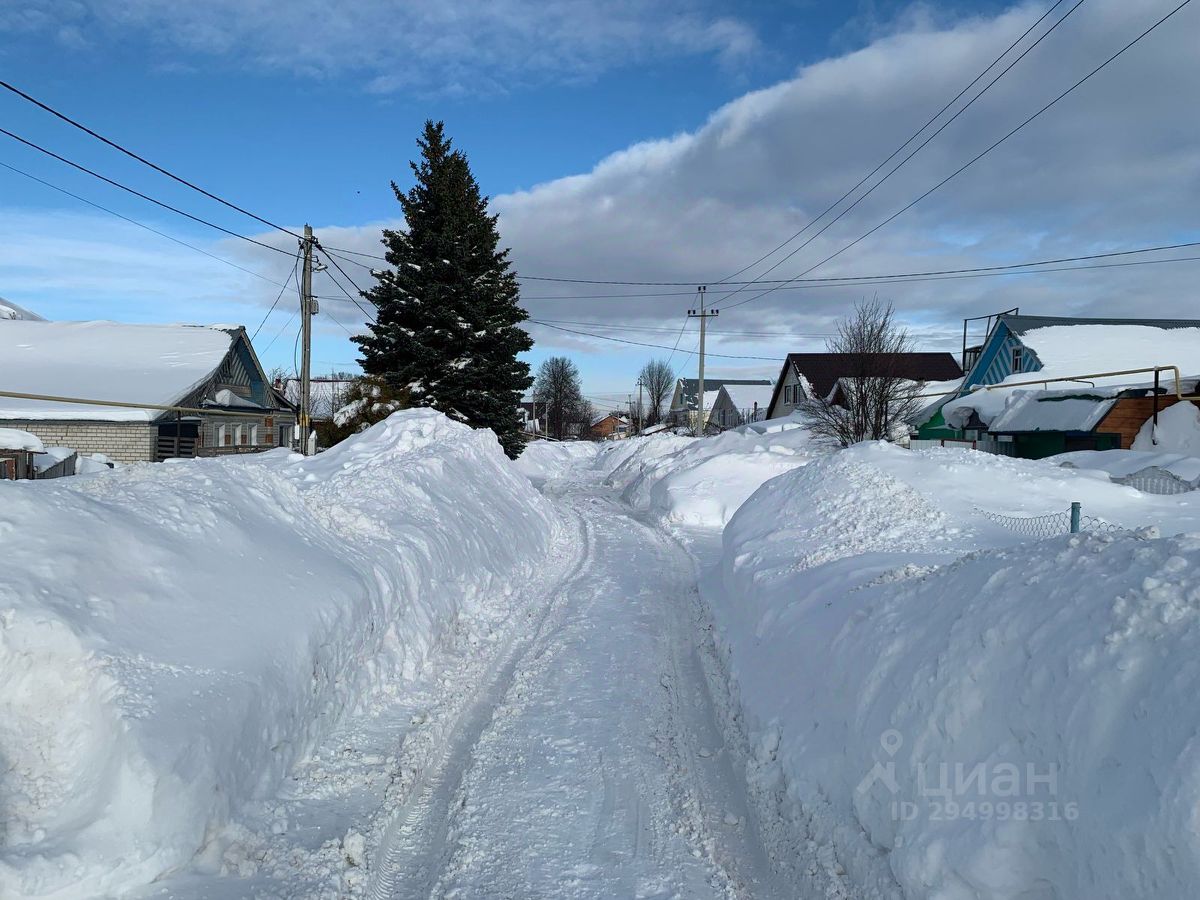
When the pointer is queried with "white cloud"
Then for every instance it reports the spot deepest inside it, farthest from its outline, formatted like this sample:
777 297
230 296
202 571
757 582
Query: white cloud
450 45
1115 165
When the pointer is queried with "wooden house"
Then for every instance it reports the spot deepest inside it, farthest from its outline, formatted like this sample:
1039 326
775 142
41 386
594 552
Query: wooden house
226 404
740 404
1040 385
685 398
817 376
609 427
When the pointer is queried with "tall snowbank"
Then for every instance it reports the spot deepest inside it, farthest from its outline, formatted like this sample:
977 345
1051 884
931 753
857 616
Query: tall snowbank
954 708
702 482
174 637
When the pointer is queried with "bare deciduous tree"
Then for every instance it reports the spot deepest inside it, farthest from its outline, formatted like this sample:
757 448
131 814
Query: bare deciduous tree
658 380
872 401
557 389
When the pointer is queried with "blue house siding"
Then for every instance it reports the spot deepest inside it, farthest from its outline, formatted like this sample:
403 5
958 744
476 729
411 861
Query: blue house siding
995 362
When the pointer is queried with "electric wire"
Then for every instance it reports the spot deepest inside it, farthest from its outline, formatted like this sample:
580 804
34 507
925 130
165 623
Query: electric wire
919 131
820 231
282 288
137 193
977 157
64 117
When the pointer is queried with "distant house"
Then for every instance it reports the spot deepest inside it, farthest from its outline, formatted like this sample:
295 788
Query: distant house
209 370
609 427
327 394
1040 385
684 400
740 404
533 417
818 376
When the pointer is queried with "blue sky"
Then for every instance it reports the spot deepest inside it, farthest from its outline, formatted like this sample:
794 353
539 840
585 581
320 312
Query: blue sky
639 140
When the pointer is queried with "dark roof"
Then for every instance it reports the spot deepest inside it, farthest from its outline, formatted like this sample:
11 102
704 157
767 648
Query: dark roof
1020 324
688 386
824 369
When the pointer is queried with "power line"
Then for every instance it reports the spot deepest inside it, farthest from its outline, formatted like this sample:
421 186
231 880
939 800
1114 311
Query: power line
931 275
142 225
138 193
351 297
918 132
820 231
281 331
977 157
143 160
282 288
605 337
827 279
338 322
620 326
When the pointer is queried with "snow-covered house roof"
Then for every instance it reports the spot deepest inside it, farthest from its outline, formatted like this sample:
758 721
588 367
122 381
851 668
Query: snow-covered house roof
10 310
747 396
158 364
686 389
600 417
1069 348
821 373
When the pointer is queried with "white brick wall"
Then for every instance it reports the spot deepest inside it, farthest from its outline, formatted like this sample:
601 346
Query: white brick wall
123 442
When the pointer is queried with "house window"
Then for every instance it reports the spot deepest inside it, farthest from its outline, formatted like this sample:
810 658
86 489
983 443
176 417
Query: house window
222 436
254 434
1016 359
239 435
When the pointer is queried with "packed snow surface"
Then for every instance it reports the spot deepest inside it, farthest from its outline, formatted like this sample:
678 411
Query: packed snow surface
175 637
156 364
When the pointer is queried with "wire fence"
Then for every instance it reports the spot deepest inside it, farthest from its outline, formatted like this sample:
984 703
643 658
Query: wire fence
1156 482
1068 521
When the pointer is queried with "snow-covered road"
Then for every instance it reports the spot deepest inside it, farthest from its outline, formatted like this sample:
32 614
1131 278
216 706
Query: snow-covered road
590 762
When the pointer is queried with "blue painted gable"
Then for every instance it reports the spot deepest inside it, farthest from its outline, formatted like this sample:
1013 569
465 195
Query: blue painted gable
995 361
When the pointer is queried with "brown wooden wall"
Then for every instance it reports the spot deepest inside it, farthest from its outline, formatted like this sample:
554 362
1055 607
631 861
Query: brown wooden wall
1129 414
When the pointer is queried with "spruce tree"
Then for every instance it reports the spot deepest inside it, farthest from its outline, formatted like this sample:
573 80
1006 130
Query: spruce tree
447 330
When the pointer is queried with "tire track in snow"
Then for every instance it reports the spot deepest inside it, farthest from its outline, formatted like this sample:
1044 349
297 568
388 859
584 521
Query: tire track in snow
414 847
600 771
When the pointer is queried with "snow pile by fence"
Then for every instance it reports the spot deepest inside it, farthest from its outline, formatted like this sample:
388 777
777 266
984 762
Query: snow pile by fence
952 708
174 637
702 482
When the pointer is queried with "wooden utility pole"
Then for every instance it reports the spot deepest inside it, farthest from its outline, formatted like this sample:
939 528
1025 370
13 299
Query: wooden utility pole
307 310
703 316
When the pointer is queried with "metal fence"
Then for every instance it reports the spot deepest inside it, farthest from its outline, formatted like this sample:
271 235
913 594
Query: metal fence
1068 521
1156 483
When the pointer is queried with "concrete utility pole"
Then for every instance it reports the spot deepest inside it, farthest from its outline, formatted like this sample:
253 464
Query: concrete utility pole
308 308
703 317
641 415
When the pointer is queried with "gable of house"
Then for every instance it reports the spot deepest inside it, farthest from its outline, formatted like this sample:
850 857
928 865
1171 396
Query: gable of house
197 367
816 375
